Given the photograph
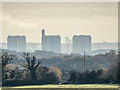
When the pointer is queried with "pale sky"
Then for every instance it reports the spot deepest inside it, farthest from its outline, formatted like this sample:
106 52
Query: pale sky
100 20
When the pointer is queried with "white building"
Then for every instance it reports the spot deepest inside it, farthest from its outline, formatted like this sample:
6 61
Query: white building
16 43
81 43
51 42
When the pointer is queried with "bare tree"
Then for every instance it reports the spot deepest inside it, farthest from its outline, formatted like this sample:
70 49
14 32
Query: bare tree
31 65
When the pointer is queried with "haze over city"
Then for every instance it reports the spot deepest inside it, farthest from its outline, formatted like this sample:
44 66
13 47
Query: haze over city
71 45
100 20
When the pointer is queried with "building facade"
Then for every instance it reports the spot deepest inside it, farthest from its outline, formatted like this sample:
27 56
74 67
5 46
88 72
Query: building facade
66 47
16 43
51 42
81 44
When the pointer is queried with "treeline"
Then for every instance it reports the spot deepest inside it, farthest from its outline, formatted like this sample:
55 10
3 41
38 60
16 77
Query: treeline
102 76
32 72
92 77
100 61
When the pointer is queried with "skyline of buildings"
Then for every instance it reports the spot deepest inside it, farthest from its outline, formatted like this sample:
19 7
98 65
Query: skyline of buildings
31 47
79 44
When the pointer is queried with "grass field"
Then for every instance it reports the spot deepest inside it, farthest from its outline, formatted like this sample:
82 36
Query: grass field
112 86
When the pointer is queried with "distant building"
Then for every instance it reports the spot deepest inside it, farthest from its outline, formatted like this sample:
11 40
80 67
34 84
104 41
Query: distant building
81 43
51 42
16 43
68 40
67 46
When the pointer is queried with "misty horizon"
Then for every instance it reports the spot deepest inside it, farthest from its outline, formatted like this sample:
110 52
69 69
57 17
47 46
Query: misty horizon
100 20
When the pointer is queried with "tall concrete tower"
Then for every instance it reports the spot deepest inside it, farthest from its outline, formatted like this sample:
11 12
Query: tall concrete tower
51 42
81 43
43 37
16 43
43 33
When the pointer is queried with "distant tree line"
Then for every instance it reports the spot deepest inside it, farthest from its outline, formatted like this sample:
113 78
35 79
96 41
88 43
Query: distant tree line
112 75
32 72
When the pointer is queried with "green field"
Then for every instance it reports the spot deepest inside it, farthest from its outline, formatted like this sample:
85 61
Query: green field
85 86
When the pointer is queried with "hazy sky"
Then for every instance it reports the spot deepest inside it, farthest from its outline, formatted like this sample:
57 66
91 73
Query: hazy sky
100 20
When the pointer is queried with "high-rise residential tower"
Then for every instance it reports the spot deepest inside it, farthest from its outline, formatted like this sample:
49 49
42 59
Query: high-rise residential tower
51 42
81 44
16 43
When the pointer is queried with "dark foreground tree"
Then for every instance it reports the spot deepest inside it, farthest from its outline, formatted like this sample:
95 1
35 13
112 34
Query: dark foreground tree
31 65
6 59
47 76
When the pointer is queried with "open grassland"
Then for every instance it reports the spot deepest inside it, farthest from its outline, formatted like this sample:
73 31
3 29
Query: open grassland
68 86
